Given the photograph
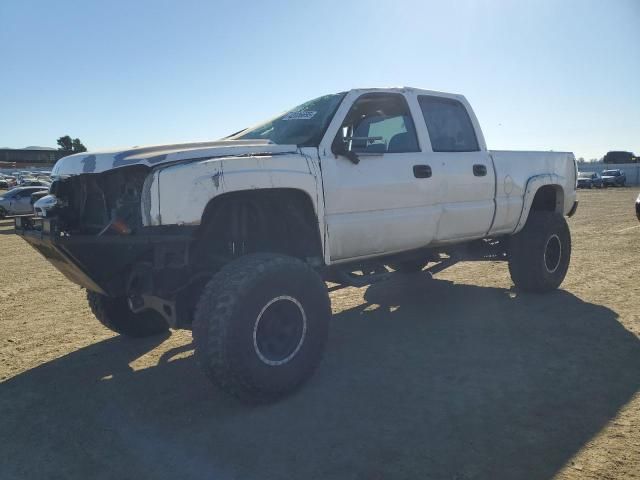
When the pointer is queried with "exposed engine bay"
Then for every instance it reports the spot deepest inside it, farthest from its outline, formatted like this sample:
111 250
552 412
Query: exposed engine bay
102 204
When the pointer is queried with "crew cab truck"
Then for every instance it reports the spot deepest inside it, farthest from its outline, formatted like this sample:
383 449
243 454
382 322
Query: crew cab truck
235 239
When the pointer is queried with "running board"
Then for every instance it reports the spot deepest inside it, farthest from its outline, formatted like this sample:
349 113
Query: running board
367 274
441 265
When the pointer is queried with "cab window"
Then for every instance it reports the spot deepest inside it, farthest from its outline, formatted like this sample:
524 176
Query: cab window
379 123
450 128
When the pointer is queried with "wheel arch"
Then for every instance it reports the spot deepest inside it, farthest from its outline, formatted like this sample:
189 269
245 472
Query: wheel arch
543 193
279 220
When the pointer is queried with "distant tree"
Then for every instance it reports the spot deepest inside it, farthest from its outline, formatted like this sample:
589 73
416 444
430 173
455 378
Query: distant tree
78 146
581 160
66 144
69 145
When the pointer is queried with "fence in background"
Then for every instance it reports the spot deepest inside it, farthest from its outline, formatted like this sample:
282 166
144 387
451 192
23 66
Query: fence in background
632 170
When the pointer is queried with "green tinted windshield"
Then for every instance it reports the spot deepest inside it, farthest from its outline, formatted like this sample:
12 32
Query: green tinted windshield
303 126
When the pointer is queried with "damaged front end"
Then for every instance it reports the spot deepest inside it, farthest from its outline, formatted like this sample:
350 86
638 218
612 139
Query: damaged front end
94 234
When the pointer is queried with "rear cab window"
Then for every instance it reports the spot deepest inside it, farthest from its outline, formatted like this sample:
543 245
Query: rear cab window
448 123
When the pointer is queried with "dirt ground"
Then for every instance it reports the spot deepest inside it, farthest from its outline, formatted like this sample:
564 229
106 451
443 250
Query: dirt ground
456 378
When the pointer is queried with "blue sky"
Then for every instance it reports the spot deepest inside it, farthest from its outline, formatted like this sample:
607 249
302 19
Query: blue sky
546 75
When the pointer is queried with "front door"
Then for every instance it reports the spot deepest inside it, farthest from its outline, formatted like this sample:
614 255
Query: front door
378 190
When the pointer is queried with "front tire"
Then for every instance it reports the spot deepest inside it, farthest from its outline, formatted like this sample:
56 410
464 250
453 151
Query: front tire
540 253
261 326
115 314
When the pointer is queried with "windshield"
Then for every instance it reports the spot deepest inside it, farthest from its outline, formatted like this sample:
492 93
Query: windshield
303 126
584 175
610 173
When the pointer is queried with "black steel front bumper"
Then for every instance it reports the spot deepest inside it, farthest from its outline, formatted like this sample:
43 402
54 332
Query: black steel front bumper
151 261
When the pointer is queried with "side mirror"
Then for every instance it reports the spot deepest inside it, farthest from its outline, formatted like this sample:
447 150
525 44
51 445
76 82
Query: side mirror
338 147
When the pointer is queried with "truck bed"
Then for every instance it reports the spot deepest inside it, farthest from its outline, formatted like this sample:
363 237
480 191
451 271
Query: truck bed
515 168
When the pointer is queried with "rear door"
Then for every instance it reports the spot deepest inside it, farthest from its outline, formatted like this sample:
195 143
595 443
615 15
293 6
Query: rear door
465 169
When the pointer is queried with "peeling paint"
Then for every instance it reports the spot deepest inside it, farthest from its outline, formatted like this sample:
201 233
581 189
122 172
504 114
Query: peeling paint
120 159
217 177
157 159
89 164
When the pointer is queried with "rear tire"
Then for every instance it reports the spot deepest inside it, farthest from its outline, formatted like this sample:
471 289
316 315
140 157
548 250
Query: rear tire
540 253
261 326
114 313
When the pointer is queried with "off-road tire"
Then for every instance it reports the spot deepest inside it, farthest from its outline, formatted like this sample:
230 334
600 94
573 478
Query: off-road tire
114 313
231 311
3 212
540 253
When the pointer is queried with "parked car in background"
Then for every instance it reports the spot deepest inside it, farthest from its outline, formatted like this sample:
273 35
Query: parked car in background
620 157
37 196
42 203
589 180
6 181
35 183
18 201
614 178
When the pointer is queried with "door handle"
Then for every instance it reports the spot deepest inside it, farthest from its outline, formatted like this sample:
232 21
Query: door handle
422 171
479 170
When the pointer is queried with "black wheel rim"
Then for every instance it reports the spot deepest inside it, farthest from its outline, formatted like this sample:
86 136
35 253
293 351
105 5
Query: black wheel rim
552 253
279 330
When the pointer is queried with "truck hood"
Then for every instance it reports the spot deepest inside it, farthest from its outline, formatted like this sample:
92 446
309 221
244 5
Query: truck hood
150 156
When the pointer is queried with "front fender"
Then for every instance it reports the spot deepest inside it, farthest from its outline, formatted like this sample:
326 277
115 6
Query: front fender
178 194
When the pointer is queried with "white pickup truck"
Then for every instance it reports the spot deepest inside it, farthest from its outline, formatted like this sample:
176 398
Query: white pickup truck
236 238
